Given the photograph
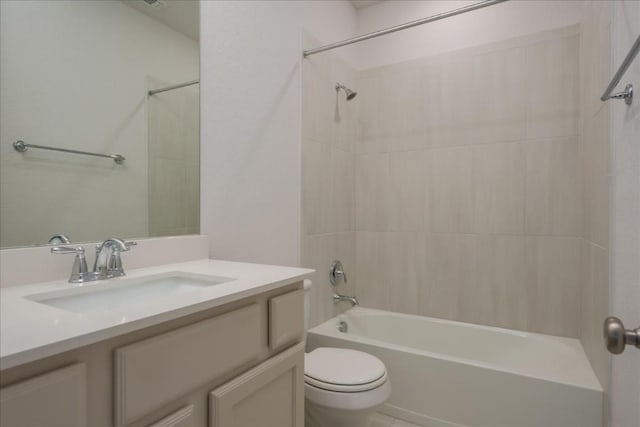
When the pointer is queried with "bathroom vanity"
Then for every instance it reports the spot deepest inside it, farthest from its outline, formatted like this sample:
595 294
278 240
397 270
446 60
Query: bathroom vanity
221 344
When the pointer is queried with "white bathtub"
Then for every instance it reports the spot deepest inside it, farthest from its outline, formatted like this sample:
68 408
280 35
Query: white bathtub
446 373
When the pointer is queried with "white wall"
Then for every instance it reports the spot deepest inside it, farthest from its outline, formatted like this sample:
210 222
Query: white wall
73 75
488 25
595 64
251 99
625 215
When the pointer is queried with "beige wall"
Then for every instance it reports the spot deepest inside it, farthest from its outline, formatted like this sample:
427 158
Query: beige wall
468 185
328 177
595 66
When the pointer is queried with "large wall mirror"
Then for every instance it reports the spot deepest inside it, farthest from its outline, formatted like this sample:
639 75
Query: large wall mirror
107 77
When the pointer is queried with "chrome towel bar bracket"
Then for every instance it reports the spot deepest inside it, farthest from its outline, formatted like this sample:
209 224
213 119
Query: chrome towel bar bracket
627 94
22 146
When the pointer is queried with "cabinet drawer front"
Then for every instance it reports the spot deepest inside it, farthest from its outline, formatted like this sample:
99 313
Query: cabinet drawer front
286 319
269 395
57 398
155 371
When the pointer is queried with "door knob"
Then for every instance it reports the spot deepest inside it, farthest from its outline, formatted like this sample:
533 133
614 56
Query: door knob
616 337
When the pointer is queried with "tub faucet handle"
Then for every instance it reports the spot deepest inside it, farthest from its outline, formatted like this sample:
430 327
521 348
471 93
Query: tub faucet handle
336 273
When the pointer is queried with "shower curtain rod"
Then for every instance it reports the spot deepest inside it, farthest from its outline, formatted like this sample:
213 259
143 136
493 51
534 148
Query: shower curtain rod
178 86
411 24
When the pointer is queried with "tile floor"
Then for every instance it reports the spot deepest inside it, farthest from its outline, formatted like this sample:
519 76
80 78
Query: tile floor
380 420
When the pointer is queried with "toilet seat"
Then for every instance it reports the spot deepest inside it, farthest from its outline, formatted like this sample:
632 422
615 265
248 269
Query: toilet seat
345 388
343 370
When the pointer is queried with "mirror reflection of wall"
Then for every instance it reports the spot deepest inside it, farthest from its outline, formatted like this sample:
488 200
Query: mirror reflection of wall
174 173
75 74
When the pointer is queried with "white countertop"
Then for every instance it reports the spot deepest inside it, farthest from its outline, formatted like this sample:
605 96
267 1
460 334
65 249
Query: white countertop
30 330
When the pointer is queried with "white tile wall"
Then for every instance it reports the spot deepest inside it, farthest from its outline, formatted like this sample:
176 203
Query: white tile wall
501 281
552 283
552 87
452 190
372 192
468 183
407 192
553 187
499 95
499 188
454 204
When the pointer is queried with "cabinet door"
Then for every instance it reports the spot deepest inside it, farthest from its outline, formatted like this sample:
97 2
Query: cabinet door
269 395
180 418
57 398
156 371
286 319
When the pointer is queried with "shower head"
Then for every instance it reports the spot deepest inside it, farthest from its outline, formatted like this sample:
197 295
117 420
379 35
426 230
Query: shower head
348 92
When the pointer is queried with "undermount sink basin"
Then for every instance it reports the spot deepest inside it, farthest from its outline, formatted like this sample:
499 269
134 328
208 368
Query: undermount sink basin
117 296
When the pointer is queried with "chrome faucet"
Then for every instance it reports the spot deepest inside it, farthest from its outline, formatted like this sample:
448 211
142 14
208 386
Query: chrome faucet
108 262
337 275
338 298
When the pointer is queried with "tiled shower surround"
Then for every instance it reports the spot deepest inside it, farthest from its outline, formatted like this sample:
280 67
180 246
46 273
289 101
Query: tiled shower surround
451 186
468 185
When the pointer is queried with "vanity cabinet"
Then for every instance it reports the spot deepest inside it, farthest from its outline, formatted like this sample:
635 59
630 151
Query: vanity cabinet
54 399
269 395
154 372
236 365
181 418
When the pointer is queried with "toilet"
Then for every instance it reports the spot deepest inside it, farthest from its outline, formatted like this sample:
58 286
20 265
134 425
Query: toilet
342 387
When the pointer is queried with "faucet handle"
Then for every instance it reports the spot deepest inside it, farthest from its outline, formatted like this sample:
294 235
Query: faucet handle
65 250
79 271
336 273
108 263
114 266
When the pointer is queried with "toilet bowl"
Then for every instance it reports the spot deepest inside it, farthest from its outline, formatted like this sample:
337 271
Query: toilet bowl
342 387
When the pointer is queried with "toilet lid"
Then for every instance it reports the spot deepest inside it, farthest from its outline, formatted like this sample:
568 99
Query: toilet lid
341 369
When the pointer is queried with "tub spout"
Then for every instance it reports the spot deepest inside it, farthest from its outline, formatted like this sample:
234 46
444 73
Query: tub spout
337 298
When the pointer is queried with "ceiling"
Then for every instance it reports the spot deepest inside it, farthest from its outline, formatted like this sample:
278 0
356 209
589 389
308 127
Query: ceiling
180 15
183 15
359 4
